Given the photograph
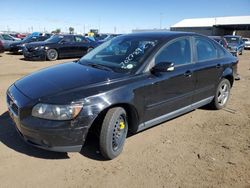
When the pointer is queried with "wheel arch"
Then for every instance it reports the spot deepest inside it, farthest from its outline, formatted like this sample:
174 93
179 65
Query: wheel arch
132 114
228 74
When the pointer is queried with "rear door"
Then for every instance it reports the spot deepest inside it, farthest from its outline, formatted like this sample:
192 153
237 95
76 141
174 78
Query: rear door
208 69
81 44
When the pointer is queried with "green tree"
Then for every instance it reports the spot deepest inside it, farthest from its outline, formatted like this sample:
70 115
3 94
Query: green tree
57 31
71 30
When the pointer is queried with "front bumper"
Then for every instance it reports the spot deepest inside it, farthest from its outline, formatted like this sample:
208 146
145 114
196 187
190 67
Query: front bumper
15 49
39 54
60 136
247 46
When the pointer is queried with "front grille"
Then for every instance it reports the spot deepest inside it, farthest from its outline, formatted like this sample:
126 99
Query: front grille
12 106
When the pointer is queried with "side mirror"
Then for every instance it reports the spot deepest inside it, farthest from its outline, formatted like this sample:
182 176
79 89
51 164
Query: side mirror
163 67
63 42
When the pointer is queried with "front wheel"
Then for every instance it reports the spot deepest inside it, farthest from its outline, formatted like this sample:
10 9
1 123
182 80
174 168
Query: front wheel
113 132
52 54
222 94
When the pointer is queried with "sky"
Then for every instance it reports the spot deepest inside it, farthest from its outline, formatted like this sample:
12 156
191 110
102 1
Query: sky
110 16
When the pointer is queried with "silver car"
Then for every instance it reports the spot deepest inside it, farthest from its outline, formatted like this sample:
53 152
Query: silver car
6 40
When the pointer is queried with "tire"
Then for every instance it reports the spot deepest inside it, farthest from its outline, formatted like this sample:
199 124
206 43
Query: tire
237 53
113 132
241 52
52 55
90 49
222 95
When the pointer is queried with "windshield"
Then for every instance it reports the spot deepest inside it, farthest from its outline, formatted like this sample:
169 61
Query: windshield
54 39
121 54
27 38
232 39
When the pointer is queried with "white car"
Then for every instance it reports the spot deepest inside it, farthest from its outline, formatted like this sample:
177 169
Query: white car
247 43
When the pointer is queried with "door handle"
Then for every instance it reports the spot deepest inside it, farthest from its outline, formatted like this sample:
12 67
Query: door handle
188 73
218 66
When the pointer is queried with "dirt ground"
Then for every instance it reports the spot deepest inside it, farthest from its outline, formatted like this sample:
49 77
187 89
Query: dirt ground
203 148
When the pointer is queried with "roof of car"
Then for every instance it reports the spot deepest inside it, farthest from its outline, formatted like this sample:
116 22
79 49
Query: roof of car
162 34
232 36
216 37
66 35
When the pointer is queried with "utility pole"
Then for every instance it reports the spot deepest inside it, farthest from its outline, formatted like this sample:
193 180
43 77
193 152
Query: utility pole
99 25
161 20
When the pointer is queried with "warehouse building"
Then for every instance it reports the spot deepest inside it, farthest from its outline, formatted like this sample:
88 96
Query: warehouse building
238 25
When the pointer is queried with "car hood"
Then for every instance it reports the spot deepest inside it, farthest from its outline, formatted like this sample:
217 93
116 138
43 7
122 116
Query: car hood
63 77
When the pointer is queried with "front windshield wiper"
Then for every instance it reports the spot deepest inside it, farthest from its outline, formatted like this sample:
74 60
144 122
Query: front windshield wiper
99 66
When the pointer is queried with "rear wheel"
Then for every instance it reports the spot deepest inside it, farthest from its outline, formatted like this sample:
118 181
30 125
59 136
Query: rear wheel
52 54
113 132
222 94
241 52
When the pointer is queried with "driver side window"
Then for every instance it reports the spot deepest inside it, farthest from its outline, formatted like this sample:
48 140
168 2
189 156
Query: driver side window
178 52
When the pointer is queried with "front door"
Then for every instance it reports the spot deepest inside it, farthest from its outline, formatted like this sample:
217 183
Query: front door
67 47
171 91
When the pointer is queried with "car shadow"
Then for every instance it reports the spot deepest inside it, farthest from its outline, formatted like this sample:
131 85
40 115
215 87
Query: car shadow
91 148
10 138
32 60
13 53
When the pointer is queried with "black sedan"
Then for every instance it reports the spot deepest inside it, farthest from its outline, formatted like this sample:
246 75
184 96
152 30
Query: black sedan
17 47
59 46
154 77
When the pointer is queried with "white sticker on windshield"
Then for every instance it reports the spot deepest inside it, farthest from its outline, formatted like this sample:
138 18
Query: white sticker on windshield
130 66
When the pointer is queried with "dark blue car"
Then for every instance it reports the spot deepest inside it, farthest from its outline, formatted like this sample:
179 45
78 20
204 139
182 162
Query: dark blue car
235 44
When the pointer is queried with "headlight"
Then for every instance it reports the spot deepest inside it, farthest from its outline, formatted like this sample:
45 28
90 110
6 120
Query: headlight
39 47
56 112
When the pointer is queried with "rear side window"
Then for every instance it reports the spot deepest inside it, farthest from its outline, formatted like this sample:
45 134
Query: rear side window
178 52
79 39
221 52
205 49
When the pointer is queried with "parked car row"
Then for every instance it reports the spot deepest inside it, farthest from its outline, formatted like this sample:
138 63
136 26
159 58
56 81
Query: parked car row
46 46
233 43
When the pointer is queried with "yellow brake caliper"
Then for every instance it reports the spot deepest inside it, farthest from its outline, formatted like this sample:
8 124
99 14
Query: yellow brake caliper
122 125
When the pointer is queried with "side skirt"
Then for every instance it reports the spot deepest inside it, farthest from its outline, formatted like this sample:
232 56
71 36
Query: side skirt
173 114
